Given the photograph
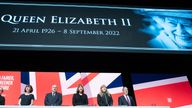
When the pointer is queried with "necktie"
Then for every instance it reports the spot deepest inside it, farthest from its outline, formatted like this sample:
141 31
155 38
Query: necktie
128 101
53 94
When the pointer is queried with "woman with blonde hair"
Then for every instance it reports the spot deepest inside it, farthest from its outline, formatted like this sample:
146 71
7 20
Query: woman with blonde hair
104 98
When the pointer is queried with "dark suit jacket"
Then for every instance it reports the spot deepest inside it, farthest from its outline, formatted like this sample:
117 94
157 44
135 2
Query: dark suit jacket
101 100
53 100
2 100
123 101
80 99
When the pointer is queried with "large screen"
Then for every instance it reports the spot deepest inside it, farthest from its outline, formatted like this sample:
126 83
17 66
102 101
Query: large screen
14 82
172 90
64 27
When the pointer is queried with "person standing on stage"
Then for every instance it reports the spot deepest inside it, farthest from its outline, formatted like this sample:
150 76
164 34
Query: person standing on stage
125 99
54 98
27 98
2 98
104 98
80 98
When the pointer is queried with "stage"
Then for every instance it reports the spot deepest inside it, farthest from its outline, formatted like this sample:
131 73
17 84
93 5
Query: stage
84 106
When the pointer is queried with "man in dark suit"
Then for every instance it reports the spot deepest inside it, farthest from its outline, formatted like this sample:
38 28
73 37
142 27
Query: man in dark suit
54 98
125 99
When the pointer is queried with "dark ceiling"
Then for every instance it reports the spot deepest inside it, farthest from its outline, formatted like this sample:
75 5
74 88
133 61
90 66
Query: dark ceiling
96 61
145 3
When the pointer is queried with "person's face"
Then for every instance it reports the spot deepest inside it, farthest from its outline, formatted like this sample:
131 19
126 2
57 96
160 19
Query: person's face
125 90
27 89
179 30
80 89
54 88
104 89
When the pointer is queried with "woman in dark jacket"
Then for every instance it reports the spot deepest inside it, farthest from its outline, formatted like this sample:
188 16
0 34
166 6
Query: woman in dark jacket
104 98
27 98
80 98
2 98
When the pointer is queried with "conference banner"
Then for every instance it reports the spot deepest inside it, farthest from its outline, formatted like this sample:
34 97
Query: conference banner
10 82
163 89
66 27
